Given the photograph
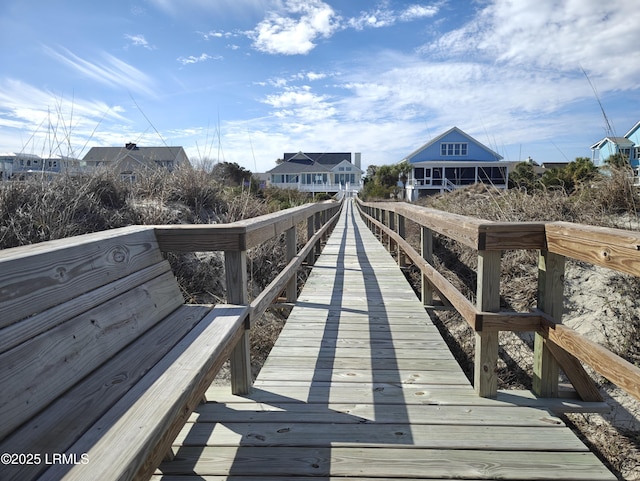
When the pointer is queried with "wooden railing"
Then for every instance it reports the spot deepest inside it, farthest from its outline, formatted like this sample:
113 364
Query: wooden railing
556 345
234 240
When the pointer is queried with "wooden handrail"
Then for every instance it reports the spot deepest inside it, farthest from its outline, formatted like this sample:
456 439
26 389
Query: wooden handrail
615 249
479 234
271 292
236 236
234 239
612 248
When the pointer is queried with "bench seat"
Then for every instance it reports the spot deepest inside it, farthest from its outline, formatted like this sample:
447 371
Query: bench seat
101 362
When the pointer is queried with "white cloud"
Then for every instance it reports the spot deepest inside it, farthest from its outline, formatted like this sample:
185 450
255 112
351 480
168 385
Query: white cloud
217 34
300 103
415 12
383 16
556 35
294 30
47 123
315 76
112 71
139 41
193 59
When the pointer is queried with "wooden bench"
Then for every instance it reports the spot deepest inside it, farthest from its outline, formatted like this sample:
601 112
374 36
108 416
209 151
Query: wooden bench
101 362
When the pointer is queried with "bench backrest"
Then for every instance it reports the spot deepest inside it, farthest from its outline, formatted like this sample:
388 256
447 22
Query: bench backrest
67 306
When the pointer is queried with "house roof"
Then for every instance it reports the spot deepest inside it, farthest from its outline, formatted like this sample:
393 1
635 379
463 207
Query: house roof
305 162
632 129
445 134
141 154
623 141
299 167
324 158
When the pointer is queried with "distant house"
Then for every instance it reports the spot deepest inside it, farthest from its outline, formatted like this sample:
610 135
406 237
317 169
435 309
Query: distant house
6 166
318 172
629 146
21 166
131 160
453 160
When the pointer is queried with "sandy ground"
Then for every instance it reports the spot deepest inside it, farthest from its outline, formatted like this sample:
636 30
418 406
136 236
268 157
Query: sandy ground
596 301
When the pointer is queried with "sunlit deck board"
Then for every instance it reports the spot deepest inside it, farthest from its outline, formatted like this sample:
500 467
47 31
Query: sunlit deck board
360 385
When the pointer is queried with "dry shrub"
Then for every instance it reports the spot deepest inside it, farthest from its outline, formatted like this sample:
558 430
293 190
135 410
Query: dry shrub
612 194
197 190
37 210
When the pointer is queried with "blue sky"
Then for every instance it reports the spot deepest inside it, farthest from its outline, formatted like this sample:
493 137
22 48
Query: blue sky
247 80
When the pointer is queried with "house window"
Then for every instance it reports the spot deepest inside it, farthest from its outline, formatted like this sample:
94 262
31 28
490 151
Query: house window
453 149
636 153
461 175
493 175
626 153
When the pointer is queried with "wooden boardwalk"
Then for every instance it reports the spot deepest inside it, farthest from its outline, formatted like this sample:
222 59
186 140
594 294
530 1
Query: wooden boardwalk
360 385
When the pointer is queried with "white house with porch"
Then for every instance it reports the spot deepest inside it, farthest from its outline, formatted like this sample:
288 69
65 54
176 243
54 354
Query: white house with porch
453 160
329 172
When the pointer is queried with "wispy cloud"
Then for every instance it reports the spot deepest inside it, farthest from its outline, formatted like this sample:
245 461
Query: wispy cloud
598 36
51 123
383 16
112 71
212 34
139 41
294 30
300 103
201 58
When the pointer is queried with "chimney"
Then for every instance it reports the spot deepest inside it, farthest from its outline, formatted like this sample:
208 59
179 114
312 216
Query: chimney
131 146
358 161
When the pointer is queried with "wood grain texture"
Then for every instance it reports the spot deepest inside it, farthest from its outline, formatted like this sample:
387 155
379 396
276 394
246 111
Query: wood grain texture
615 249
150 415
21 331
36 372
68 417
386 462
36 278
486 342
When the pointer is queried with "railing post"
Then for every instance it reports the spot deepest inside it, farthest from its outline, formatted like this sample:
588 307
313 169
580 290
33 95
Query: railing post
488 300
235 267
392 226
318 226
426 243
310 232
292 250
401 233
550 301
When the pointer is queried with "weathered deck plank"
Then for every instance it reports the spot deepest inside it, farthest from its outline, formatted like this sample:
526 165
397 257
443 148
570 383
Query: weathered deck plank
360 385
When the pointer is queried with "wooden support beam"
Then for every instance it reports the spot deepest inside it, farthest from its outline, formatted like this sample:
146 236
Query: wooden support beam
391 246
402 232
550 301
318 226
488 299
235 263
426 244
310 231
292 247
